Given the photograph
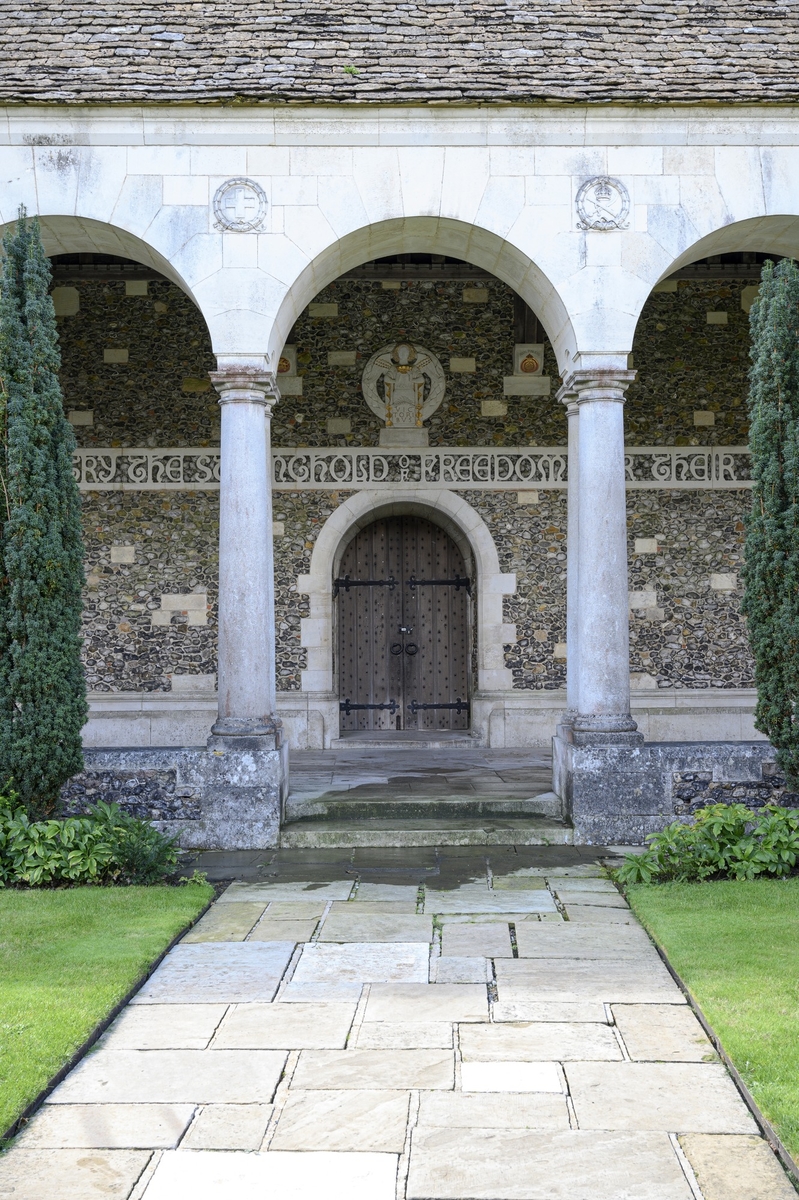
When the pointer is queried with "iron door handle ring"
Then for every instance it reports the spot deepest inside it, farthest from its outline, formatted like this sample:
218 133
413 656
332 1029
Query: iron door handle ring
411 648
396 648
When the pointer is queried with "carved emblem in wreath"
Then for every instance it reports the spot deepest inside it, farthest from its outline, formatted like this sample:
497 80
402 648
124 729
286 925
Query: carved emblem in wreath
403 384
603 203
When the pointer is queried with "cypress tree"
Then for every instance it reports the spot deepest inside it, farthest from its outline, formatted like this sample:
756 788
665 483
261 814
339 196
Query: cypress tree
42 686
771 571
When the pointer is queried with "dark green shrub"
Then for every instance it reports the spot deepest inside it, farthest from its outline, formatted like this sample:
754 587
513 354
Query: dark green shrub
725 841
42 687
106 846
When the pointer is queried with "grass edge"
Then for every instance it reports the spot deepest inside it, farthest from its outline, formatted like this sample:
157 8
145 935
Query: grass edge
8 1135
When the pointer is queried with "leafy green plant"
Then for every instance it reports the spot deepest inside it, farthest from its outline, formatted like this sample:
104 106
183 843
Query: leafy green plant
107 846
725 841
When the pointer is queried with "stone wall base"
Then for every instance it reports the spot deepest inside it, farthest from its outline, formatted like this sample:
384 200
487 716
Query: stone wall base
224 797
616 795
500 719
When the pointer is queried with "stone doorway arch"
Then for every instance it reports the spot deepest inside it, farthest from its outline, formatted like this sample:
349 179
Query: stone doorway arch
472 536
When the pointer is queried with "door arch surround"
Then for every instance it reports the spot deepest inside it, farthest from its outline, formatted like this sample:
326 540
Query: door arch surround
472 536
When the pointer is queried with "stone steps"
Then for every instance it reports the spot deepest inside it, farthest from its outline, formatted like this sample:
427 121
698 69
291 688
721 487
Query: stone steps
452 831
447 806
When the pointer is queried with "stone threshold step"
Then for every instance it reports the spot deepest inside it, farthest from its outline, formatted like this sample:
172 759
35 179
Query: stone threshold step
406 741
456 831
416 808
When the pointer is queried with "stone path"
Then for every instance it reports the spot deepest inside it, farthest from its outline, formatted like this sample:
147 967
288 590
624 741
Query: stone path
439 1027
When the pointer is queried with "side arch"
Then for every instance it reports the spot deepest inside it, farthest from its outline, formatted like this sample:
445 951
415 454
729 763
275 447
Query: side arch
472 536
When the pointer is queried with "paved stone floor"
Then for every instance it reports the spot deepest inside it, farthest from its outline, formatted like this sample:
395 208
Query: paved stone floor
423 1024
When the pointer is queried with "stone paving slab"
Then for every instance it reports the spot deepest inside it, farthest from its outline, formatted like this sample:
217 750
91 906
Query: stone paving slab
400 962
380 908
538 1042
383 892
494 1164
228 1127
296 910
173 1077
321 993
596 914
211 1175
106 1127
610 981
223 972
462 969
164 1027
662 1033
280 929
395 1035
544 940
374 1069
490 939
675 1097
511 1077
427 1002
71 1174
736 1168
285 891
342 1121
225 923
493 1110
601 899
374 927
285 1027
492 902
548 1010
518 883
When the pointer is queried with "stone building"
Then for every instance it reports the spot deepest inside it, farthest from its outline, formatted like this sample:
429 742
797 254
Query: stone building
482 274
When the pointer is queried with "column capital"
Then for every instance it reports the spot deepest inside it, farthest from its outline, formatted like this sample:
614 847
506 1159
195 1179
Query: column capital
246 384
599 383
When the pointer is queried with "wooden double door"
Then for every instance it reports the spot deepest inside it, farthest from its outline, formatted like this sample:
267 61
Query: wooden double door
403 629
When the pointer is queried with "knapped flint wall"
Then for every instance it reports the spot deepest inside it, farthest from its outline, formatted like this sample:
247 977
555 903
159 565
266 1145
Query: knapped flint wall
695 637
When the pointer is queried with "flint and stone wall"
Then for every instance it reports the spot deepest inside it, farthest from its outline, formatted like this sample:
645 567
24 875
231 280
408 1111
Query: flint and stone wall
692 636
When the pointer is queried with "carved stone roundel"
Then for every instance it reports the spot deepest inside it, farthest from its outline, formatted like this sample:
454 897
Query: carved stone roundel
239 205
603 203
413 384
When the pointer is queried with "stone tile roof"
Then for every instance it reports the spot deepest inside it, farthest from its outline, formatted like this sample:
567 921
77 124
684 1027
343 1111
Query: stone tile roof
689 51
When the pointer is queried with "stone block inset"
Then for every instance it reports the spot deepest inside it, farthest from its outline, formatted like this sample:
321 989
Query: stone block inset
322 310
115 355
724 582
716 318
526 498
136 287
475 295
704 417
123 554
493 408
647 545
66 301
336 426
643 600
193 605
462 366
81 416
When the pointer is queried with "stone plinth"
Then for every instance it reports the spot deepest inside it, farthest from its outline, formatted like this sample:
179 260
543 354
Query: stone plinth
616 794
230 796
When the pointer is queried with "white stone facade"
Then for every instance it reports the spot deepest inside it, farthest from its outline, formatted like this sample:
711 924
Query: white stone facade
252 211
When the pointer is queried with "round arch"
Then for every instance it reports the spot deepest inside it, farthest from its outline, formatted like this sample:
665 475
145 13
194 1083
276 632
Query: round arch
472 536
439 235
81 235
768 234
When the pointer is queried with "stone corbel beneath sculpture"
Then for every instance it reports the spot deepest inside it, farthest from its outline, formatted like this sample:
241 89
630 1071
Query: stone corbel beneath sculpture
288 381
528 378
403 384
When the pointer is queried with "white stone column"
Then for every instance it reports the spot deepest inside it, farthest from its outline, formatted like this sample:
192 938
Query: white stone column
603 640
569 398
246 654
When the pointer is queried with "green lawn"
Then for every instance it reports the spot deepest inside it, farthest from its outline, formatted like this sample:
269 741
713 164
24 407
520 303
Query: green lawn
66 957
736 946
